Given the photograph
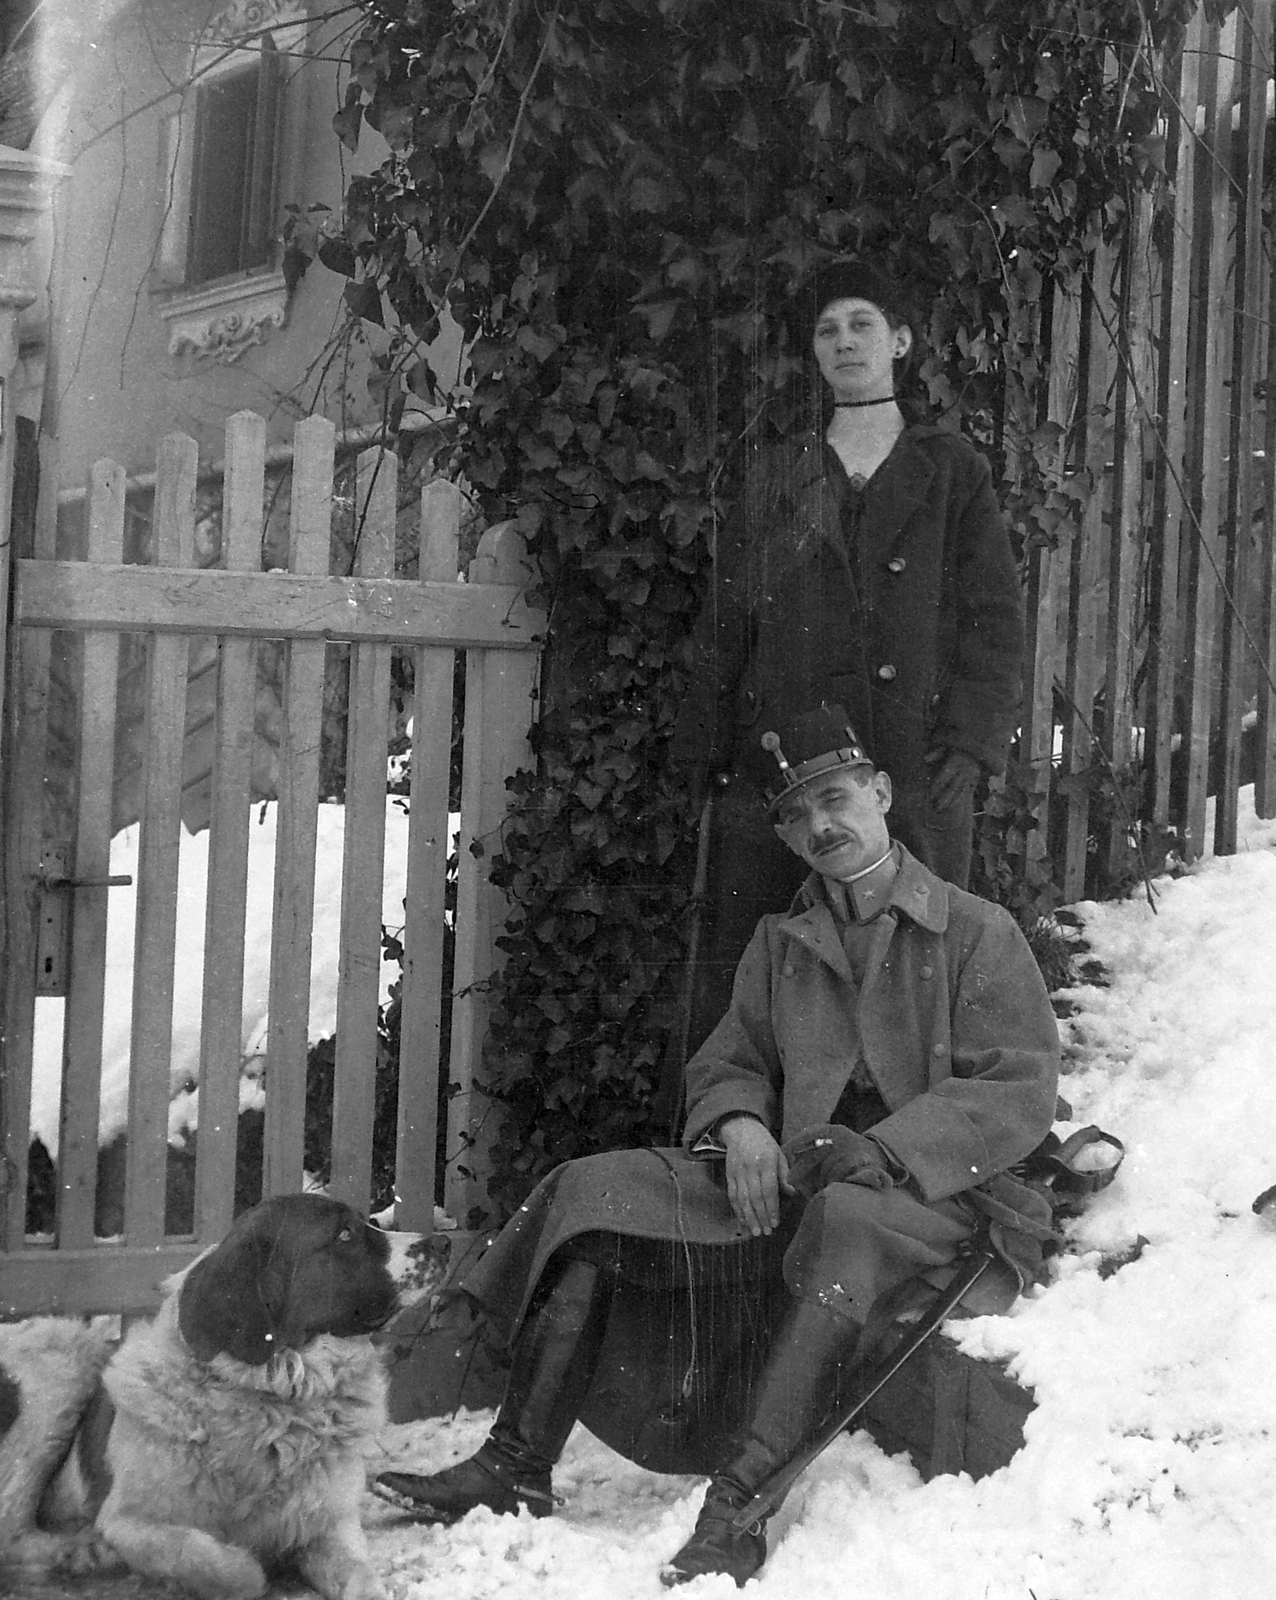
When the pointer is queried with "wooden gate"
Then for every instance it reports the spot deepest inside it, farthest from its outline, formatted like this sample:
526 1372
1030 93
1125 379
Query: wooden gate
101 598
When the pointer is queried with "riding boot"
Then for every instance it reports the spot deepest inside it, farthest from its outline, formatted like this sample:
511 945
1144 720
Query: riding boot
796 1395
554 1358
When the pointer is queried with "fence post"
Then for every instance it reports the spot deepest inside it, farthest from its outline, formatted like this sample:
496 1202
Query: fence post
499 687
26 184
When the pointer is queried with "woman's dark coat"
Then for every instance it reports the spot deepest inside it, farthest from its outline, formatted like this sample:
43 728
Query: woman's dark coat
917 629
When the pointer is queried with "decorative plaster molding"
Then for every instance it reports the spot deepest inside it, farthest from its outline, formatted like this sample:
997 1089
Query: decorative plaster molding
223 322
26 188
242 17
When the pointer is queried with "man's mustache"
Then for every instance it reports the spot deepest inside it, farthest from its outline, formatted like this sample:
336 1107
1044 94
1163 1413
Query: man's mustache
823 846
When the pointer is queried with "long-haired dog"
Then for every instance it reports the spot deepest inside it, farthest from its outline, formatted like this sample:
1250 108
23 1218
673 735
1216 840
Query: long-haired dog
230 1436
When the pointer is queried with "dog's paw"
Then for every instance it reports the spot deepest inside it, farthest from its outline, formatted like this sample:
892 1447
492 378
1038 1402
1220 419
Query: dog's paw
87 1554
216 1571
364 1584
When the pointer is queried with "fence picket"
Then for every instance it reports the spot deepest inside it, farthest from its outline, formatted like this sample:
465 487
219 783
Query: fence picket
1133 356
1206 359
82 1031
1253 72
159 845
1265 700
363 867
310 531
221 1043
1170 504
420 1021
1080 677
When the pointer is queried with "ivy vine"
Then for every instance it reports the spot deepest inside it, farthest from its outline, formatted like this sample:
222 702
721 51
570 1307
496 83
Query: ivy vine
614 198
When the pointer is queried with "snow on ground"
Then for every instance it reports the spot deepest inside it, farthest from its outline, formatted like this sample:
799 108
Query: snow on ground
189 961
1150 1462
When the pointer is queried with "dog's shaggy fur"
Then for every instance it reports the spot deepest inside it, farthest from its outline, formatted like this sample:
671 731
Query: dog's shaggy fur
51 1368
242 1417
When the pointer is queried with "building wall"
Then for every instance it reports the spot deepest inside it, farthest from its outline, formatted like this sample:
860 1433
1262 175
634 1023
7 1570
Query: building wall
115 387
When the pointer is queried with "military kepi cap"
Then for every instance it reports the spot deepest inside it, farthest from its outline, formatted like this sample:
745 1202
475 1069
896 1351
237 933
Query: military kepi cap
812 744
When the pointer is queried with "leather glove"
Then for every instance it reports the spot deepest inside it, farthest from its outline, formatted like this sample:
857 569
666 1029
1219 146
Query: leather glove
829 1153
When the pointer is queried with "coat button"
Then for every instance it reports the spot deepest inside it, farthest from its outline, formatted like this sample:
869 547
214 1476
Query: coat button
896 564
939 1050
886 673
928 972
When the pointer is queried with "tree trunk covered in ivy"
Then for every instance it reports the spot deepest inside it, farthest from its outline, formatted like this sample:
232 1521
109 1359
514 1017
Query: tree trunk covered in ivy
614 198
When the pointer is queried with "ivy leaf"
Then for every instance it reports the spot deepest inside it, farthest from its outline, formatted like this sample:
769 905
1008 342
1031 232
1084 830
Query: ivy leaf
984 45
1045 164
536 344
659 315
1016 210
346 124
364 299
422 381
746 130
648 194
890 106
337 254
1026 116
849 74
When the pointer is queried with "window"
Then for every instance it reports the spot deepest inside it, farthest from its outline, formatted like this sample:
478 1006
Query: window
234 170
225 160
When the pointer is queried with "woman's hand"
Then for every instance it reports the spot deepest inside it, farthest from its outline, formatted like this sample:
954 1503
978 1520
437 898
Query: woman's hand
757 1173
954 777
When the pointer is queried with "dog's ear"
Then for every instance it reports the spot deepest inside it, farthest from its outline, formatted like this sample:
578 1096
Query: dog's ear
226 1300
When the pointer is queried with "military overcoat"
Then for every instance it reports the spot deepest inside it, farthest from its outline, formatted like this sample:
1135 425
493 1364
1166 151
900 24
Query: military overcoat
953 1023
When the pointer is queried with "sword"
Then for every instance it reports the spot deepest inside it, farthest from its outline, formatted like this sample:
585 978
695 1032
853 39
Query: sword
772 1492
673 1088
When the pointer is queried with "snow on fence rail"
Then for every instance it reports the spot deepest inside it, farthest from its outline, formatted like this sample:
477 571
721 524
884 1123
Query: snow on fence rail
306 607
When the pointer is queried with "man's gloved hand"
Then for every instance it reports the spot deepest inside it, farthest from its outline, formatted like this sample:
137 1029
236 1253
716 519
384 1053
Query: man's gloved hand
829 1153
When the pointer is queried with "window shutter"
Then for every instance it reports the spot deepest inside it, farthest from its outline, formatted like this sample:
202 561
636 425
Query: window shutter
259 213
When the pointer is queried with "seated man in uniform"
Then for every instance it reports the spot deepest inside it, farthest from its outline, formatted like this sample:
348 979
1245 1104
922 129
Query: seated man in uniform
889 1049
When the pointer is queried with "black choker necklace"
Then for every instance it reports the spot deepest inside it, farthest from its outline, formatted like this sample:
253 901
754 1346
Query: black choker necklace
854 405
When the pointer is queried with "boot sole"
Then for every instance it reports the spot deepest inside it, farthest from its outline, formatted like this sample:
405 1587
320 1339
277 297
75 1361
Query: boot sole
425 1511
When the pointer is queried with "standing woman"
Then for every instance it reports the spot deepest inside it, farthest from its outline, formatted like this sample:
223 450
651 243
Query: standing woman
867 565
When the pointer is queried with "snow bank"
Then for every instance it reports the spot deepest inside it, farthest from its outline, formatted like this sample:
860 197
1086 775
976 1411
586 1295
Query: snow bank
189 959
1150 1458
